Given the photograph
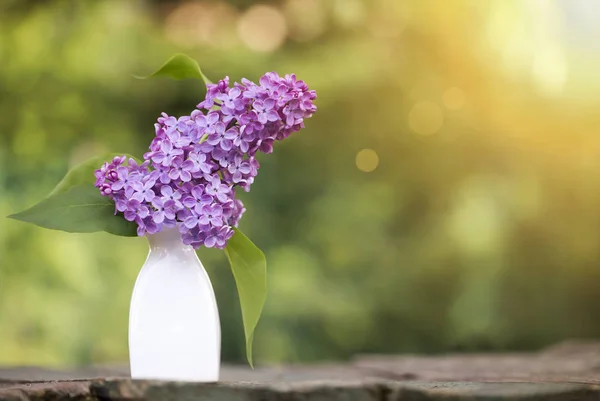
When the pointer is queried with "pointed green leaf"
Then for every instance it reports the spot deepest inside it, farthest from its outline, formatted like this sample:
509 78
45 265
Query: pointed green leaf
83 173
249 268
79 209
179 66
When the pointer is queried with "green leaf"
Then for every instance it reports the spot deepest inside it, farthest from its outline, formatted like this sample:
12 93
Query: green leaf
249 268
179 66
75 205
78 209
83 173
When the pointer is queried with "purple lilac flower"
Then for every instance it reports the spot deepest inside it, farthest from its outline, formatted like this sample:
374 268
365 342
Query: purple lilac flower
168 194
182 169
231 100
108 171
135 209
265 111
223 137
195 162
239 168
166 154
204 165
206 123
141 191
197 198
163 210
236 213
147 226
217 189
211 214
217 237
125 178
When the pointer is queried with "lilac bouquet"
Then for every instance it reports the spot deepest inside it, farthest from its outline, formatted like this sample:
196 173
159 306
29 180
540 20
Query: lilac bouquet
189 177
196 162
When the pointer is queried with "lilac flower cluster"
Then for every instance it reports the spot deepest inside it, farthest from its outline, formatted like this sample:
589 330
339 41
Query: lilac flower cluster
195 163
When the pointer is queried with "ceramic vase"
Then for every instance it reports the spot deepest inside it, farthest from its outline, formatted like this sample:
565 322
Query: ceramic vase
174 330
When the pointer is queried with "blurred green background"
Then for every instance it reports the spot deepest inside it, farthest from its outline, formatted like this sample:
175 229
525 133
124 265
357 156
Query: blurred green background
446 195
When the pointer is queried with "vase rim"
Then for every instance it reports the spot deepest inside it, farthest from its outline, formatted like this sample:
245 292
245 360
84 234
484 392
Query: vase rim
165 237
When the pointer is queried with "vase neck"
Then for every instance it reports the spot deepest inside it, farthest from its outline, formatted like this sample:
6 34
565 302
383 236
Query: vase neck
167 238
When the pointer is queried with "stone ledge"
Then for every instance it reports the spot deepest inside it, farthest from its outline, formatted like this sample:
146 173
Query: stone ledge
56 391
132 390
140 390
471 391
567 372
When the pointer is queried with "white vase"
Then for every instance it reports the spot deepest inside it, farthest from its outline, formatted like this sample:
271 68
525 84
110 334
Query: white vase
174 330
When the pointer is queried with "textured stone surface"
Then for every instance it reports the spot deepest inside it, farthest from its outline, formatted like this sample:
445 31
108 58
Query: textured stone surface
566 372
133 390
568 362
447 391
130 390
228 373
127 390
56 391
36 374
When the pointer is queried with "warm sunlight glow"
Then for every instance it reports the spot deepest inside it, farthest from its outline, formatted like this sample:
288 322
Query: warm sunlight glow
262 28
425 118
367 160
454 98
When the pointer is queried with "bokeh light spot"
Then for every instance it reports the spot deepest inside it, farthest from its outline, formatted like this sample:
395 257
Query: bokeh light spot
348 13
425 118
454 98
306 19
550 70
196 23
367 160
262 28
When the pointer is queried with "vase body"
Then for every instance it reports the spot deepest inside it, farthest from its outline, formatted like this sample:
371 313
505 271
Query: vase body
174 330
